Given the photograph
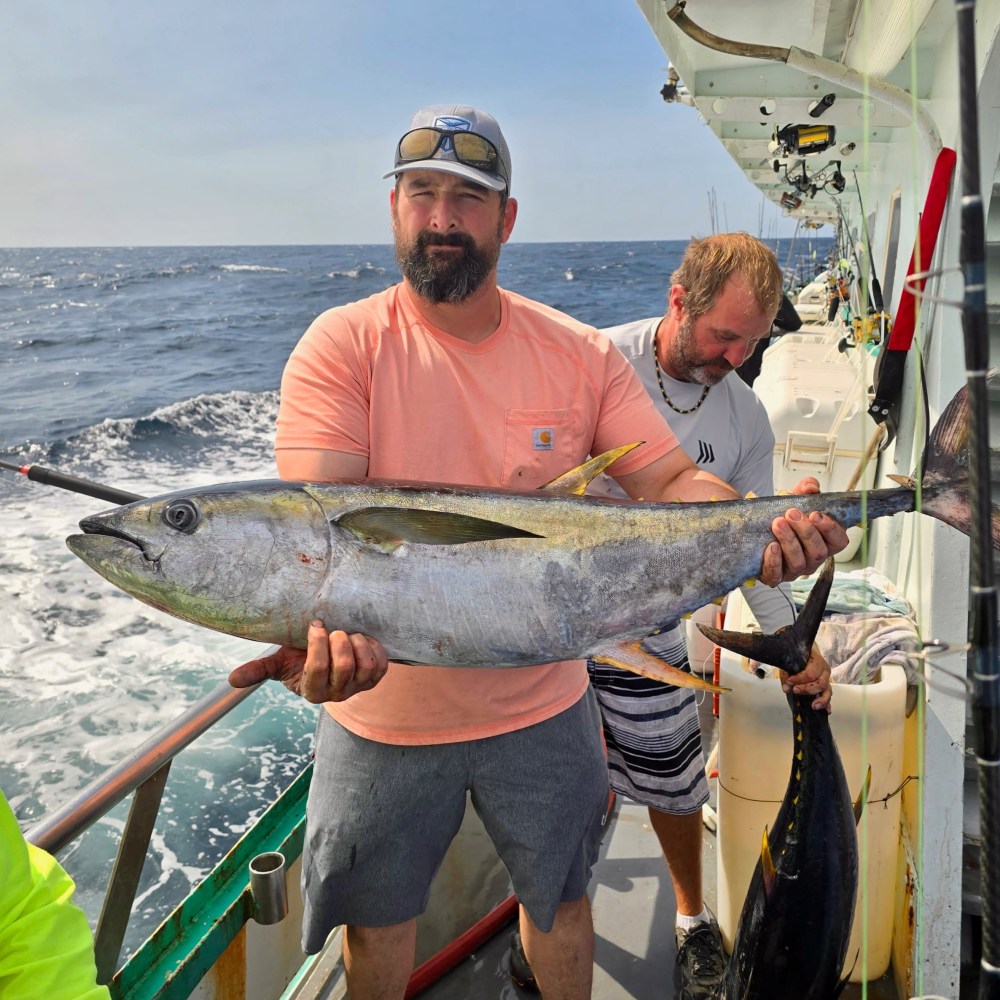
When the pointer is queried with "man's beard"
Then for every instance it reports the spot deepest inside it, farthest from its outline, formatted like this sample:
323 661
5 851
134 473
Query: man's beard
684 359
446 277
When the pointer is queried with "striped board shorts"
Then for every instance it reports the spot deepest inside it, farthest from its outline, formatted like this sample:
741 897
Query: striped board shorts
652 731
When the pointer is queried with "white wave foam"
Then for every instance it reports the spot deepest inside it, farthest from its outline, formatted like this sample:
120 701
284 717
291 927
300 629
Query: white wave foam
243 420
252 267
355 272
169 863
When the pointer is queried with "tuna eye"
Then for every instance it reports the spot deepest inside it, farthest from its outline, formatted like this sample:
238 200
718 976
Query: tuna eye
181 515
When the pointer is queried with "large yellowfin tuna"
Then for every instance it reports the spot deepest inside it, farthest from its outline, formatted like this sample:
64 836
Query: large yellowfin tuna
454 576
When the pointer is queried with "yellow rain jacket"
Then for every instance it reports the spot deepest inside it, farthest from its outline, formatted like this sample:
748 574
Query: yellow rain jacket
46 948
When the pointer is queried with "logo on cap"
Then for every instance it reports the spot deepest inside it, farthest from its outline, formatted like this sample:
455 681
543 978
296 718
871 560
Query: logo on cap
453 124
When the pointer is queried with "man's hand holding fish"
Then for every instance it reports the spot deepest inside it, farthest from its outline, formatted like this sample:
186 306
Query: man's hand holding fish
333 667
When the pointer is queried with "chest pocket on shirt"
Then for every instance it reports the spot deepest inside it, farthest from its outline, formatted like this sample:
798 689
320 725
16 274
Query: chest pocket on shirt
538 446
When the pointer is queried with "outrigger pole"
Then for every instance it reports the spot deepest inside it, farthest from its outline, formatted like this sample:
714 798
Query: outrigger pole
983 664
39 474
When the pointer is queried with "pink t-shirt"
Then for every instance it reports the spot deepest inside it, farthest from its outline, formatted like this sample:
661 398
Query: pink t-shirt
533 400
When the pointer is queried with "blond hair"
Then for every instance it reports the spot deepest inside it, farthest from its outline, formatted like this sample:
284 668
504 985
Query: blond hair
710 262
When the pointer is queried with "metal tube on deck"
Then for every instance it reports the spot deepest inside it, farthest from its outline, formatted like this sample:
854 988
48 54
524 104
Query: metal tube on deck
268 888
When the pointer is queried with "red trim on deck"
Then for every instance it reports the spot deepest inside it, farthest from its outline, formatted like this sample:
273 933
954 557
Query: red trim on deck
428 973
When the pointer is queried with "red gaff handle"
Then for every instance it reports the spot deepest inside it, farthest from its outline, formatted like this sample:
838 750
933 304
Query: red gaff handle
447 958
923 249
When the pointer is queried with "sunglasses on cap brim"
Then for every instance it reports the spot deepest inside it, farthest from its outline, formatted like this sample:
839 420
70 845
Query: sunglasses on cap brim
469 148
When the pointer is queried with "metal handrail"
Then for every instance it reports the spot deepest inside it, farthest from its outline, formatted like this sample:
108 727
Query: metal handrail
67 823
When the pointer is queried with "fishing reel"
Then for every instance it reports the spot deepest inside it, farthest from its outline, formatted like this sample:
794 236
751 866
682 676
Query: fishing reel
829 179
790 201
873 328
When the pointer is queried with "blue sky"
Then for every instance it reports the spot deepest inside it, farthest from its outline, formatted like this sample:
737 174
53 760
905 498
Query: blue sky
216 122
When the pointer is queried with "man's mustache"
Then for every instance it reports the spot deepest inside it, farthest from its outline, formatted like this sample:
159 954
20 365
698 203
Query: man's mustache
463 240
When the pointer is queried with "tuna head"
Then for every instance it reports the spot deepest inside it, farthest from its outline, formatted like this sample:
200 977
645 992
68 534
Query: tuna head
247 559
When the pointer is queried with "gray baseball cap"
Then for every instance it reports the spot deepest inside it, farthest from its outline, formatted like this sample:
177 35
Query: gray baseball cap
456 118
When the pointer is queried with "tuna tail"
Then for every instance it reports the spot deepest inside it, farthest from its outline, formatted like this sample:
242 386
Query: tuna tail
789 648
945 473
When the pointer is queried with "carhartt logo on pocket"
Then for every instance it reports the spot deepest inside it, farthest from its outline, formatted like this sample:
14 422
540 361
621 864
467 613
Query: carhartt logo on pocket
542 439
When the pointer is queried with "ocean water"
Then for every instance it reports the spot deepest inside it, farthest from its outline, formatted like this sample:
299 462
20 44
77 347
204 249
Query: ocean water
154 369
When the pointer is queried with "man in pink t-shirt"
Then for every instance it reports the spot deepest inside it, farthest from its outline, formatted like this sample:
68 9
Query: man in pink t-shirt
448 378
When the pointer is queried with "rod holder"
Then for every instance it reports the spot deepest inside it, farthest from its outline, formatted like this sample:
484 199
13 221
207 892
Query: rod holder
268 889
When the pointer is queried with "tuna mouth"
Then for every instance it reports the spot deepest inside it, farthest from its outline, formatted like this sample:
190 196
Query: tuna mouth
95 526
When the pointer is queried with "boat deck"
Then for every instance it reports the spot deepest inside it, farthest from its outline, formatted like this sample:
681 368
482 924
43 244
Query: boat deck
633 907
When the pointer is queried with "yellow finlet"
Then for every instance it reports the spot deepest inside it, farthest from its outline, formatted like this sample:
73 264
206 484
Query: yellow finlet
767 868
859 802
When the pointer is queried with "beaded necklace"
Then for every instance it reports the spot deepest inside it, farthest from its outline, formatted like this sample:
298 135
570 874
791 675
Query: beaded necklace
659 381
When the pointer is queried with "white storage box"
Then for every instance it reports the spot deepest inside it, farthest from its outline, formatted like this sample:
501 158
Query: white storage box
817 292
817 403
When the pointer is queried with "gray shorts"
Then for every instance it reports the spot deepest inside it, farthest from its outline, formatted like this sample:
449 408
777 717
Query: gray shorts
381 816
652 731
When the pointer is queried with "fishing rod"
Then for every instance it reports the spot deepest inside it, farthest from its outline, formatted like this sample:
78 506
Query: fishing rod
850 247
40 474
982 664
875 289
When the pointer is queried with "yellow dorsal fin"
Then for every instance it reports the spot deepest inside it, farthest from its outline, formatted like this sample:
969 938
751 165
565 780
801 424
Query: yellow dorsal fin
577 480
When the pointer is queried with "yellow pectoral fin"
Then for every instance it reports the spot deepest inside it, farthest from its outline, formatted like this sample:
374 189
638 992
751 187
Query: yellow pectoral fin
389 527
631 656
577 480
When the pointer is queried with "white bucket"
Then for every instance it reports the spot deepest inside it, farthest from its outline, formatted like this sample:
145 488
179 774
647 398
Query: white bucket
701 651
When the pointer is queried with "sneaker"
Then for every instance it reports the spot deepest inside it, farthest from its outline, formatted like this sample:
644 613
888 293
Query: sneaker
520 971
700 962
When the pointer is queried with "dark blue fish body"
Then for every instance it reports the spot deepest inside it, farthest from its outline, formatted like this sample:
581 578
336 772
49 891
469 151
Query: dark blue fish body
793 932
796 921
